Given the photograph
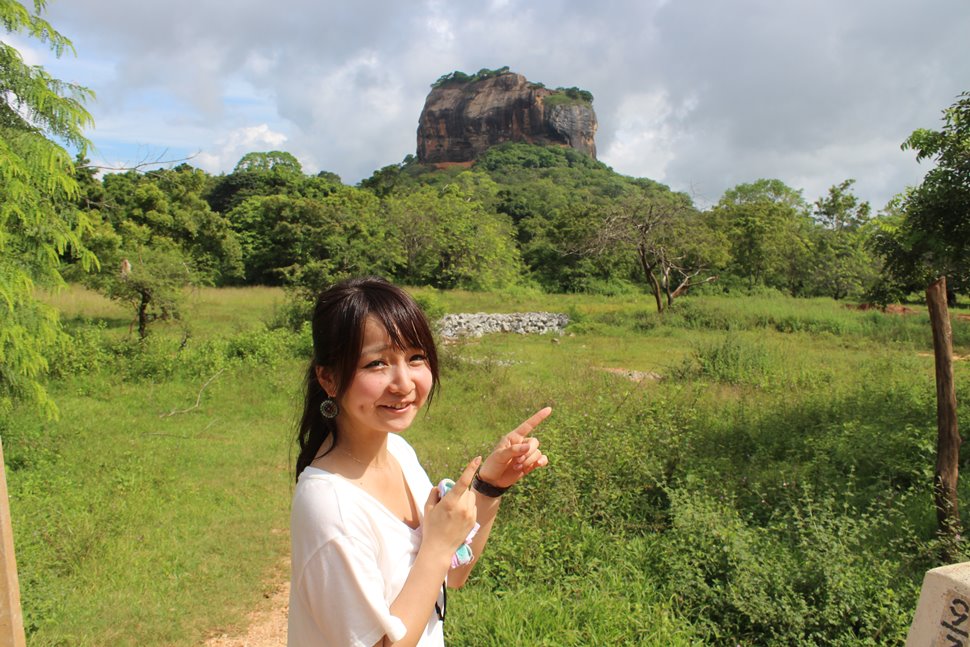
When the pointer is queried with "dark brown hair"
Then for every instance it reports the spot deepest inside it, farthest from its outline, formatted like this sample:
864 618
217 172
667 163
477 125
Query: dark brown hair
338 334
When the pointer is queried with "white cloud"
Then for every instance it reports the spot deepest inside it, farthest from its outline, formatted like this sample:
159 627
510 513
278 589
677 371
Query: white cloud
645 139
701 94
30 51
230 148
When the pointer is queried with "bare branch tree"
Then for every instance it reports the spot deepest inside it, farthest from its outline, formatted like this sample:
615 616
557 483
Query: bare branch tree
144 163
674 243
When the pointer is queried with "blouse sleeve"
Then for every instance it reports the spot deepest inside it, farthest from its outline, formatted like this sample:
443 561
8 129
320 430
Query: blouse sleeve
344 591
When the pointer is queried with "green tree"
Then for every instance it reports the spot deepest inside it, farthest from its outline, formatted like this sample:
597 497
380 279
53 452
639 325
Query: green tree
270 173
310 242
391 178
768 224
169 203
156 235
840 209
275 161
555 197
932 238
150 278
931 247
451 240
36 180
843 265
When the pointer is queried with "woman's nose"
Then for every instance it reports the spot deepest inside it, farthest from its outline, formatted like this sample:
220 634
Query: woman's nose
402 381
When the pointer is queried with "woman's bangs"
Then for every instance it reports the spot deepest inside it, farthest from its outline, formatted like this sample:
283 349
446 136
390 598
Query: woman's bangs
406 326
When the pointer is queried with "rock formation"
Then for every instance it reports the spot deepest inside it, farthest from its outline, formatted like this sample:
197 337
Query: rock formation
461 120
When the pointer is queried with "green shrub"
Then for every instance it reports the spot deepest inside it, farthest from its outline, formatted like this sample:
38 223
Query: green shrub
692 314
88 350
813 576
430 304
261 346
734 359
81 350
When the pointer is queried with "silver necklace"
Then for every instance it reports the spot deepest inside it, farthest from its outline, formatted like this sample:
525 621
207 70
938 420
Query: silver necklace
360 462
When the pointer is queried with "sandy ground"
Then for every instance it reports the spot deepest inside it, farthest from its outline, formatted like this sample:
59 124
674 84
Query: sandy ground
633 376
266 628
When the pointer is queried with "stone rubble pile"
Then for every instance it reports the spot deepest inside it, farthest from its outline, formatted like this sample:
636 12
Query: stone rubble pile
523 323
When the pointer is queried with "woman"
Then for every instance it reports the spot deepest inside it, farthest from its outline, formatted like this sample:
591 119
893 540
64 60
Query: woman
373 541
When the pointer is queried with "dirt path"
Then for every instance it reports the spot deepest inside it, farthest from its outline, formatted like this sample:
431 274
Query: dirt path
267 628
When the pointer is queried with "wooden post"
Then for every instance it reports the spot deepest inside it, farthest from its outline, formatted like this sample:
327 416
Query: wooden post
11 620
947 436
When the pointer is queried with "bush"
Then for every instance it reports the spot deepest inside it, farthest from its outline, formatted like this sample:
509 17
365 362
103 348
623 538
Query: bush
81 350
430 304
733 360
87 350
817 574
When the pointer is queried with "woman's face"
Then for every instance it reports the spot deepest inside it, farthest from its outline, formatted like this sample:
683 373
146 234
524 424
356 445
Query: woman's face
389 385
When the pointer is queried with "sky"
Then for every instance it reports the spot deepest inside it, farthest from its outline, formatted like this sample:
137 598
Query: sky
699 94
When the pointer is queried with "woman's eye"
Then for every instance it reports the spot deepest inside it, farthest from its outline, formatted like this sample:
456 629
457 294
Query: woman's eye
418 358
377 363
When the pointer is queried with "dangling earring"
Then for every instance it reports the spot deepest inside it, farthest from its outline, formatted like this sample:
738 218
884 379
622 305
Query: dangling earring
329 408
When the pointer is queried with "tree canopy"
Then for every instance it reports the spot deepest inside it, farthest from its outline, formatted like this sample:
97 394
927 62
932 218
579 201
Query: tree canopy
37 225
932 238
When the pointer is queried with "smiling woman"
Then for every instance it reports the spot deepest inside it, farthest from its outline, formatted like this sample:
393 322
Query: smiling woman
372 539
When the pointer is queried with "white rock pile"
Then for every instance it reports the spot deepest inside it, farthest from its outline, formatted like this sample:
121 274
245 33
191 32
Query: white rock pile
523 323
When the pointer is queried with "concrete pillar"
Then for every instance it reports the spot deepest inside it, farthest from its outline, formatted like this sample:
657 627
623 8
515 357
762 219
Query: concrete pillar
943 613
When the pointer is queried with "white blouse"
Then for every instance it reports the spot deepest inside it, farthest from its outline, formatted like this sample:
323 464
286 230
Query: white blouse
351 557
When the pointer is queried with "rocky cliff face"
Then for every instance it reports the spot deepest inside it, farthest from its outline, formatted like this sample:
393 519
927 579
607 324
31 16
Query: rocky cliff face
462 120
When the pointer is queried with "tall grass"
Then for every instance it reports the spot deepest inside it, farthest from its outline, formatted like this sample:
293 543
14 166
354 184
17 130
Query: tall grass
773 487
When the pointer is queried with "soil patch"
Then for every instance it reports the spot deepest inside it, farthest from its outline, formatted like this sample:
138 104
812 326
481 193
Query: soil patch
892 308
956 358
633 376
267 628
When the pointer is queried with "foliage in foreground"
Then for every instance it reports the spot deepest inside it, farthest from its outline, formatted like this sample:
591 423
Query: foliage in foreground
767 525
36 182
773 489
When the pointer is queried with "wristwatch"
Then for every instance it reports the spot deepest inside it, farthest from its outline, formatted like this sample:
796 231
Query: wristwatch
486 488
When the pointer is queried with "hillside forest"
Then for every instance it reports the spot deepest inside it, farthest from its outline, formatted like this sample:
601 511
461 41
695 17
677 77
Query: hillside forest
522 217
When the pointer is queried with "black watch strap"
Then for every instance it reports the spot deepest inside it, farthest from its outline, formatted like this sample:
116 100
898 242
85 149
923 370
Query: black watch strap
486 488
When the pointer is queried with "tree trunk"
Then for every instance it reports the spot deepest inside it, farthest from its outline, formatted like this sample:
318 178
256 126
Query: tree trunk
947 436
143 315
654 283
11 617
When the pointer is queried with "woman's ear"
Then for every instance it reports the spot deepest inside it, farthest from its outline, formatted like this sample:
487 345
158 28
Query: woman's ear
325 378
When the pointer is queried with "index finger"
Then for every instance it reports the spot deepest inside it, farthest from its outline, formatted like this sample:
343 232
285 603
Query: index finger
465 480
529 425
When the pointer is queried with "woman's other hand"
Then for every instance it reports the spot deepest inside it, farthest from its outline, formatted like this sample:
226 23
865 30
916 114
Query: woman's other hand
516 454
449 519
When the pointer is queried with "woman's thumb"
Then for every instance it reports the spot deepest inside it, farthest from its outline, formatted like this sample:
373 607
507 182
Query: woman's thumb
433 498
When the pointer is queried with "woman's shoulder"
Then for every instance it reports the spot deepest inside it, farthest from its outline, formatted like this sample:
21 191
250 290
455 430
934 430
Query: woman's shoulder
325 502
413 470
404 453
399 447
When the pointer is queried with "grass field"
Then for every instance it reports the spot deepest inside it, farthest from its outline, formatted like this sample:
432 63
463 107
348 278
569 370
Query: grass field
774 487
